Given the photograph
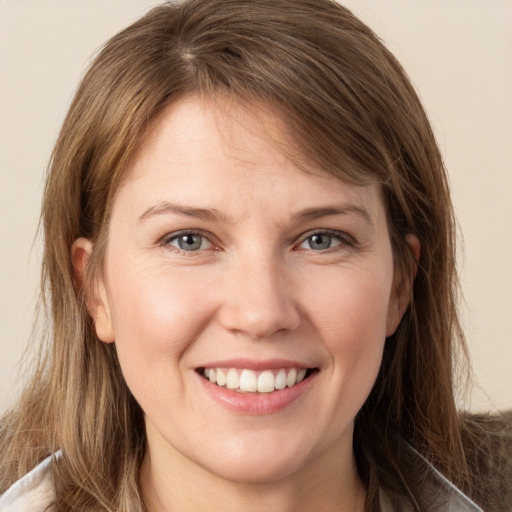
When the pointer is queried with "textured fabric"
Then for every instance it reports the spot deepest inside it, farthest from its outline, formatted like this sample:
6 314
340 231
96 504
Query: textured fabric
487 440
384 501
438 492
33 493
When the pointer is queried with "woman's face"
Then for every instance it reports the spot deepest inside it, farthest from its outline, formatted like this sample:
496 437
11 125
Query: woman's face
230 275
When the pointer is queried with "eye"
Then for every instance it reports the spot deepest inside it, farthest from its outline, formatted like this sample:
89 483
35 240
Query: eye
323 241
188 241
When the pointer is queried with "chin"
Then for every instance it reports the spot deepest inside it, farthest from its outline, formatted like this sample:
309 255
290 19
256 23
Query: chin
269 472
258 463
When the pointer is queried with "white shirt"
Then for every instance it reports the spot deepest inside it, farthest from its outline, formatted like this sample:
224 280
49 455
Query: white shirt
33 493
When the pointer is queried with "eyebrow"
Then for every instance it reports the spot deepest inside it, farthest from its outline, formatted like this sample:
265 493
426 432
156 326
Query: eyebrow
213 215
186 211
329 211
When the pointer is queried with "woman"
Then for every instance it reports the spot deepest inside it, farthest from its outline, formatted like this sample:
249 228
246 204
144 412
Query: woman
249 267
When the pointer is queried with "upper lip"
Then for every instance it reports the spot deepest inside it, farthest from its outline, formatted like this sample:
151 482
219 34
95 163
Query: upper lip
256 365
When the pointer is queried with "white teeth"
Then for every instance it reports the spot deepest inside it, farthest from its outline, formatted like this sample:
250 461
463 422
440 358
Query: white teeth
300 375
233 379
266 382
281 379
221 377
292 377
249 381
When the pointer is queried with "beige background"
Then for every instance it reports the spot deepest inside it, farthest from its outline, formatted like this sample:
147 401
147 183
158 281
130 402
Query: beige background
457 52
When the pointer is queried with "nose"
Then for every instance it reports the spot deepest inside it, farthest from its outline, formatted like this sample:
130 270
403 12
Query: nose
258 299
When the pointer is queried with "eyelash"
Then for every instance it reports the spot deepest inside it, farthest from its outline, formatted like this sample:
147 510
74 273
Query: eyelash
343 240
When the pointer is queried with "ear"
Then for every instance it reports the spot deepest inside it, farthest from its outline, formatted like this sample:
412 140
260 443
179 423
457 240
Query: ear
402 288
97 302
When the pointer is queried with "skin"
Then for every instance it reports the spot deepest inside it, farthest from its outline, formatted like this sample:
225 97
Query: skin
257 288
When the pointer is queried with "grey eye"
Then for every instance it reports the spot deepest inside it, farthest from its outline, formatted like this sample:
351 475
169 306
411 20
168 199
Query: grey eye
190 242
320 242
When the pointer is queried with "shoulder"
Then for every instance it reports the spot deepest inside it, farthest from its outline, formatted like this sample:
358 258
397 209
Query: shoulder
33 493
487 440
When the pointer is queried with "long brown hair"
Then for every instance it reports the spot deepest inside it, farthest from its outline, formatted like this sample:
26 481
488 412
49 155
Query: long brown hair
351 111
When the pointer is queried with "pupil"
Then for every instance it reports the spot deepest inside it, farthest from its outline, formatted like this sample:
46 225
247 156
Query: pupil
190 242
320 241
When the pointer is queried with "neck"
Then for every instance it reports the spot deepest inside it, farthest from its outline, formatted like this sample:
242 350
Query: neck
328 484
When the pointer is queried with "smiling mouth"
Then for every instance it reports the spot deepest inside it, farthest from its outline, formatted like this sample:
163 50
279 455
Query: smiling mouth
250 381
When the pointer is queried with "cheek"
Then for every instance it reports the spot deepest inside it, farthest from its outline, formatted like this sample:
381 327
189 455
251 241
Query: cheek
350 316
156 312
156 319
352 307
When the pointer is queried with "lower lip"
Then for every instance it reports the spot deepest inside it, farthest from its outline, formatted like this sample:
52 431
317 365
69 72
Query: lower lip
258 403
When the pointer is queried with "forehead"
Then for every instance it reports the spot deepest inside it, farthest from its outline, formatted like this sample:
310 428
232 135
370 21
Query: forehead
239 131
225 153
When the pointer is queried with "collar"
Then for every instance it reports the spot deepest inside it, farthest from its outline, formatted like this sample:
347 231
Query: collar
32 493
431 490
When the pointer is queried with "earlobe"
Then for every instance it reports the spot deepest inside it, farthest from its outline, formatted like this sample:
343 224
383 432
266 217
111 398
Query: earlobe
95 293
403 288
